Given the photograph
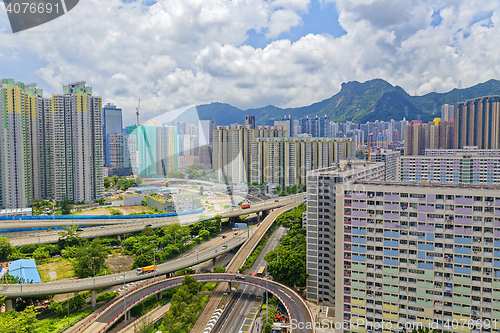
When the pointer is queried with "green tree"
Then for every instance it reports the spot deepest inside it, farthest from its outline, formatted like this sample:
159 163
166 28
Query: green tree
13 322
41 253
57 308
191 283
176 174
90 258
5 249
115 180
147 231
116 212
69 237
66 206
107 182
144 259
205 234
76 302
267 328
138 180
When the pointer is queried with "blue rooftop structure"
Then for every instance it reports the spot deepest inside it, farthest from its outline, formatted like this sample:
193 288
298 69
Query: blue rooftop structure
25 269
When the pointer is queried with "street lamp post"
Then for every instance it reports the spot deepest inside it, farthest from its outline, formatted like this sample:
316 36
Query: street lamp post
154 265
124 300
68 309
267 303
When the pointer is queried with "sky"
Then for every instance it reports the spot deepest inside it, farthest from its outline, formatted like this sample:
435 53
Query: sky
253 53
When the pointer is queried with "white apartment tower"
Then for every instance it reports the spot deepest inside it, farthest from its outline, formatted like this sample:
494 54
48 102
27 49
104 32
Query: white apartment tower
77 152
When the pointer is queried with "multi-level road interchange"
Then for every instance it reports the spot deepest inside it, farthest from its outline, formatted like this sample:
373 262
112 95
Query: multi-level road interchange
114 227
295 305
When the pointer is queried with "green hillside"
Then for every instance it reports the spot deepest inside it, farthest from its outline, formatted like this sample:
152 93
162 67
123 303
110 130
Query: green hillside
358 102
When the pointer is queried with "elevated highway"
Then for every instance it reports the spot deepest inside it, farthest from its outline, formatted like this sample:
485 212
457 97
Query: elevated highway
112 227
297 308
171 266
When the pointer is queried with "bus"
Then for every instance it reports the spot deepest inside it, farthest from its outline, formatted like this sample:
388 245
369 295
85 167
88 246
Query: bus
260 271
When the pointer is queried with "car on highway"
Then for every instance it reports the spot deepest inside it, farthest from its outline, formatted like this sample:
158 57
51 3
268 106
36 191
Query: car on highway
79 229
148 226
224 247
276 200
224 236
240 277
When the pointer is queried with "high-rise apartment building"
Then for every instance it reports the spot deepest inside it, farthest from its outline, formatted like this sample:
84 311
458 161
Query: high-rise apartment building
447 112
465 150
111 124
77 152
467 166
402 253
250 120
285 125
286 161
121 154
232 150
390 159
51 148
157 147
21 108
437 134
206 128
323 186
477 123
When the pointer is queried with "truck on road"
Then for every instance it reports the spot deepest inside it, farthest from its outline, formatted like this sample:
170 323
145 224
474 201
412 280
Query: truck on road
146 269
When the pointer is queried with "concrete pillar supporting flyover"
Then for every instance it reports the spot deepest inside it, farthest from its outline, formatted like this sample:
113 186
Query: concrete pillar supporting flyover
127 315
93 298
229 287
119 237
159 296
258 217
213 260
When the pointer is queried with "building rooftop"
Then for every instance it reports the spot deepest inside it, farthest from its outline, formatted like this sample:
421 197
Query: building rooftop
346 166
26 270
144 188
428 184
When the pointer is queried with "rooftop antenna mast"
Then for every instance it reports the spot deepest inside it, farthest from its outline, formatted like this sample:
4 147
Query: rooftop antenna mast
137 112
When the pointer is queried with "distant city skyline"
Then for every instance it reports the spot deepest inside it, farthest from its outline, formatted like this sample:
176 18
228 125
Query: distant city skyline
283 53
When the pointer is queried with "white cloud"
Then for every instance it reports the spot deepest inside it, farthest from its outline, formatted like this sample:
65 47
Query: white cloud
181 52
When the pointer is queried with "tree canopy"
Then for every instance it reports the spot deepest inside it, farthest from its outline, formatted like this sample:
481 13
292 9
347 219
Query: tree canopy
90 258
290 267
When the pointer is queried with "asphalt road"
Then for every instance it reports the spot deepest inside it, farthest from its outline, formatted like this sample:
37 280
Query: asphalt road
129 226
296 306
60 287
241 319
237 262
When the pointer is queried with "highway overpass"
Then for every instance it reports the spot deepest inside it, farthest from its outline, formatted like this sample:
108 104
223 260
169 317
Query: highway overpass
113 228
171 266
297 308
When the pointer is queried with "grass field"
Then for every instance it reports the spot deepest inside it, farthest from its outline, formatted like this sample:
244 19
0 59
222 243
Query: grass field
55 269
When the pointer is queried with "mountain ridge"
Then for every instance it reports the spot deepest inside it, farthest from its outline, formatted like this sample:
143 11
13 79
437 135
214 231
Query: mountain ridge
358 102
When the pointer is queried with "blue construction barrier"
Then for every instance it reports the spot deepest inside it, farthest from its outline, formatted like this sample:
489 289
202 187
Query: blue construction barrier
84 217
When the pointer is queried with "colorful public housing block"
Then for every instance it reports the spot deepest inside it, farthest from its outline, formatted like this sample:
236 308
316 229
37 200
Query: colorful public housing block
403 252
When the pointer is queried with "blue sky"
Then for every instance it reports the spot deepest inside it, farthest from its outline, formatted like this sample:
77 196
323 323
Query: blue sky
319 19
252 53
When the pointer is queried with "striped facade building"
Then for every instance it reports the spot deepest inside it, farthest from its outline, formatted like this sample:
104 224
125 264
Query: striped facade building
48 145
